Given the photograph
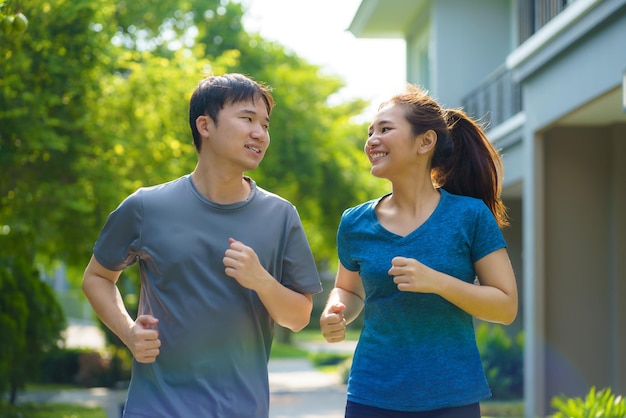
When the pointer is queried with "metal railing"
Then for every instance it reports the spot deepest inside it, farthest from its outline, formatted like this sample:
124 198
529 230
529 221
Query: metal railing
495 100
498 97
534 14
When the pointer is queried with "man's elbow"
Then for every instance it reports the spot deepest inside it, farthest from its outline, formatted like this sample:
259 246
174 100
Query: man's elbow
298 324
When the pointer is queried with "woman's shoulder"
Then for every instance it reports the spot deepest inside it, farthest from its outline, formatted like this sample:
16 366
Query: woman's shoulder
467 209
361 209
459 201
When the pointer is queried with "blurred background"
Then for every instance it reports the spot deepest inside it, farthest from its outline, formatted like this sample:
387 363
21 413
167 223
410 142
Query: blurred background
93 105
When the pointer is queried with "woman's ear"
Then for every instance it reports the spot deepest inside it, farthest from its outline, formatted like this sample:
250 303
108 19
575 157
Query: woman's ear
428 141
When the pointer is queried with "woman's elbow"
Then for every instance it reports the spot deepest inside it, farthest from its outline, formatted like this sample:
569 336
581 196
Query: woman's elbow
509 314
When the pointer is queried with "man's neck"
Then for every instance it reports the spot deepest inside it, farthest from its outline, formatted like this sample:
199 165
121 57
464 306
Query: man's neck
220 188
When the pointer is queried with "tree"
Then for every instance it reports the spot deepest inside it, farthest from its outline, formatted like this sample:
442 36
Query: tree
46 78
31 320
12 20
93 103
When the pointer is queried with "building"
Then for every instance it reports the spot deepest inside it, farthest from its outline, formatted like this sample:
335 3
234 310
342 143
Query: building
550 77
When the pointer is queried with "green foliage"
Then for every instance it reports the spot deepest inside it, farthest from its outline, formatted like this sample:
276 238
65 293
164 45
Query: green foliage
328 358
31 322
85 367
12 21
502 409
93 104
48 410
502 358
60 366
602 403
47 77
286 350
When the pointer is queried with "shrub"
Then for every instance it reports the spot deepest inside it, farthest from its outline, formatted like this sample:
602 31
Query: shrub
503 360
85 367
596 404
328 358
60 365
344 370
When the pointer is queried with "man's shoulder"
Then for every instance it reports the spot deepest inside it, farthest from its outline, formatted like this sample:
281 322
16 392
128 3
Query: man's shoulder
167 189
167 186
272 197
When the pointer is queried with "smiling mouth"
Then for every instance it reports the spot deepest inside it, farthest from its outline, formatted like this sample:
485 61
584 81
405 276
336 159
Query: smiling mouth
255 149
377 155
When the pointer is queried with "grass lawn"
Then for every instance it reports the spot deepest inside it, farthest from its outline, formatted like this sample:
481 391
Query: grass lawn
502 409
295 350
49 410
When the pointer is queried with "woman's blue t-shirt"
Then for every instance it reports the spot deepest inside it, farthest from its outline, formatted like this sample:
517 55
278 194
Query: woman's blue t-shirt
417 352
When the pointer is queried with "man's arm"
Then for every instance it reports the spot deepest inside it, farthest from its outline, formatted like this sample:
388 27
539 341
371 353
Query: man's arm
287 307
99 285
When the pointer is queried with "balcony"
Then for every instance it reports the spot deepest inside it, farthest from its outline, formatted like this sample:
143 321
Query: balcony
534 14
495 100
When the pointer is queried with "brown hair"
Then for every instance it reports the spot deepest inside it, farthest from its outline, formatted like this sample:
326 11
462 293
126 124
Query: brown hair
464 162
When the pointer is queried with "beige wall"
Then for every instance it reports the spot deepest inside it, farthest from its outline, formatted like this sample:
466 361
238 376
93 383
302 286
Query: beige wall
585 281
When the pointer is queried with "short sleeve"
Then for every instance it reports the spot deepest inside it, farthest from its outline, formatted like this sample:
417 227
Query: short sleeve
487 234
343 247
300 271
118 241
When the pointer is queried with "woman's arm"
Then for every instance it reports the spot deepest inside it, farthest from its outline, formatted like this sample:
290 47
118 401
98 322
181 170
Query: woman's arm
494 300
344 305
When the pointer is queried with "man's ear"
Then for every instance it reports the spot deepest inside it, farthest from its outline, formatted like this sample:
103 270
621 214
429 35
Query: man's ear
428 141
202 125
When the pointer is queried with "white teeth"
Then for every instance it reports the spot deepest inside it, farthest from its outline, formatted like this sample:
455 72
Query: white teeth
377 155
255 149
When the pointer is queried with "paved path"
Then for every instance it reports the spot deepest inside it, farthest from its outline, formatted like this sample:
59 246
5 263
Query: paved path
297 389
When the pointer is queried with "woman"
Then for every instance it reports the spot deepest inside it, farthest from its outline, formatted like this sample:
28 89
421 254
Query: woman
422 261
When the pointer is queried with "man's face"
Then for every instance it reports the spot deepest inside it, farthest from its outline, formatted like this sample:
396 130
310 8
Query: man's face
240 136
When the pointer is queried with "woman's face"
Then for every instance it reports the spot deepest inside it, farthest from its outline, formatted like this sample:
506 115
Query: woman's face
391 145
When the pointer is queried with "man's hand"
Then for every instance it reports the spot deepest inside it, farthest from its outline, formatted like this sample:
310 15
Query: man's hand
144 340
243 265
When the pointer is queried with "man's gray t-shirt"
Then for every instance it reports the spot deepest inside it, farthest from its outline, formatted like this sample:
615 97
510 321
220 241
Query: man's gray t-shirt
216 335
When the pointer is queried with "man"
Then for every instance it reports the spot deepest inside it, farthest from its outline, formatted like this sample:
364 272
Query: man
220 259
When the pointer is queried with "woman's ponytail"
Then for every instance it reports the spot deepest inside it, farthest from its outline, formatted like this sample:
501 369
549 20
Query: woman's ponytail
473 166
464 161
